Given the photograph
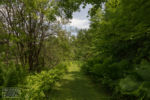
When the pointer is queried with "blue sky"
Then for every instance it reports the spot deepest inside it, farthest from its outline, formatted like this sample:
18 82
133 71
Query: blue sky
80 19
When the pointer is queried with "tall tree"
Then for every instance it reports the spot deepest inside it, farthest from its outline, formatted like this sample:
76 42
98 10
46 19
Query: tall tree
28 23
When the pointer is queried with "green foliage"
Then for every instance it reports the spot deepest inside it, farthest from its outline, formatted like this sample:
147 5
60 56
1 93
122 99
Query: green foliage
1 76
30 24
138 86
31 39
57 49
12 74
1 79
39 84
83 45
115 48
128 84
120 47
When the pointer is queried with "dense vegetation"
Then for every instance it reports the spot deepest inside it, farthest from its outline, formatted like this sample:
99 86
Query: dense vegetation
114 51
116 48
33 46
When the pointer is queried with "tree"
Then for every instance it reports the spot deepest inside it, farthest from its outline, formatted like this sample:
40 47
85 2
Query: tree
121 51
57 48
28 23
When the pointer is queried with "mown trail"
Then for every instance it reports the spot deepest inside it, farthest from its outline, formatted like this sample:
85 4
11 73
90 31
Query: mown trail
76 86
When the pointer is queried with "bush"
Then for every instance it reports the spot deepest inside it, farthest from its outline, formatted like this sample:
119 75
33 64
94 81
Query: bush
39 84
62 67
14 75
11 75
138 84
123 77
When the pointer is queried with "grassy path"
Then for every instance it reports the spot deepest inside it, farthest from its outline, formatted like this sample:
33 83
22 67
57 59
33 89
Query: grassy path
76 86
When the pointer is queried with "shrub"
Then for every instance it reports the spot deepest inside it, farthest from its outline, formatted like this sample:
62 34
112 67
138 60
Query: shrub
125 78
13 75
39 84
62 67
138 84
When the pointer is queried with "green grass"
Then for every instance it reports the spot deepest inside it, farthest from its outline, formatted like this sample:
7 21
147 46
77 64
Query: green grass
76 86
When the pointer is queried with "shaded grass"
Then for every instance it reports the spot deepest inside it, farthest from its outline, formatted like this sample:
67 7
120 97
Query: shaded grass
76 86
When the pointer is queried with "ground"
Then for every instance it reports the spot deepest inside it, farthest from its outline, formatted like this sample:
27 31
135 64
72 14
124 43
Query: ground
77 86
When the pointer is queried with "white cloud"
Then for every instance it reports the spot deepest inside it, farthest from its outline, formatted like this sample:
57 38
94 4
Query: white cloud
79 23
